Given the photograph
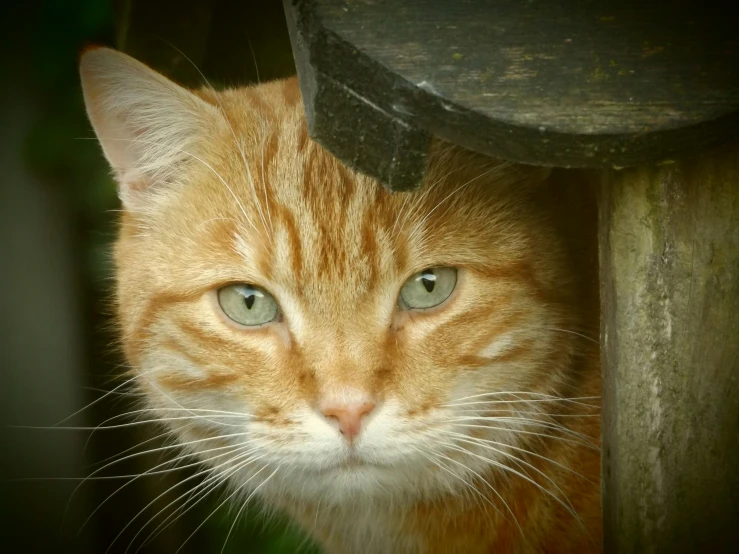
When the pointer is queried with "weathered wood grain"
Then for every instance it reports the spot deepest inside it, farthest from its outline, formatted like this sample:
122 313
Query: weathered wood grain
351 127
670 345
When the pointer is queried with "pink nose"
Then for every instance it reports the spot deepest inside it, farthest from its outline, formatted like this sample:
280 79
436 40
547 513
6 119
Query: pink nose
349 415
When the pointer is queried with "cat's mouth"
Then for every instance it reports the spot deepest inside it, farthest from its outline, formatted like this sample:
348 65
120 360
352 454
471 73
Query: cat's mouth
349 464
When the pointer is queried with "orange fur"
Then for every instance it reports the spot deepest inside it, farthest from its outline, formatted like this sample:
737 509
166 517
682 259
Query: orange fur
242 195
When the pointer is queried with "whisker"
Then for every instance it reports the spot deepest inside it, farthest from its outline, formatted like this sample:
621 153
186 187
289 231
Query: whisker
525 421
489 486
484 442
520 401
106 391
541 396
516 459
179 483
194 411
170 447
236 447
435 461
206 487
532 433
566 331
91 404
120 425
227 499
230 529
518 412
519 474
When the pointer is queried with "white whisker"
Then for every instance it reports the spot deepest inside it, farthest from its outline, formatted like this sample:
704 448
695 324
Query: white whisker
532 433
523 476
167 491
206 487
227 499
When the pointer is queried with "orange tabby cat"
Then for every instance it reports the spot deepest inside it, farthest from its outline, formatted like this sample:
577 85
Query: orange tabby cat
399 372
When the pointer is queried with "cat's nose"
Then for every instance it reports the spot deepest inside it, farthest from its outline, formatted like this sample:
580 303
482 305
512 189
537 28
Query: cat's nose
348 414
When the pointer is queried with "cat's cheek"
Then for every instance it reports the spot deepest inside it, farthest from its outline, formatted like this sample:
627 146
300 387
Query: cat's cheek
161 367
414 328
498 347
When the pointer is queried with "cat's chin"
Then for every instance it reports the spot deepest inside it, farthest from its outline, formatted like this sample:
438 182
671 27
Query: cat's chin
346 468
344 485
355 481
349 464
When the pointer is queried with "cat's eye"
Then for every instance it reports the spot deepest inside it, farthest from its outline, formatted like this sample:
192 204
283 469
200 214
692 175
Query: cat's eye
248 304
428 288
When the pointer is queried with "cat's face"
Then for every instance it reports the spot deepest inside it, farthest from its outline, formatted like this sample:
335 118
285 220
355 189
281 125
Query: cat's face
302 328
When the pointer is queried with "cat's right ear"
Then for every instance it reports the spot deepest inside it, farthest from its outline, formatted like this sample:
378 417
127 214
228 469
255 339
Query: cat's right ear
149 127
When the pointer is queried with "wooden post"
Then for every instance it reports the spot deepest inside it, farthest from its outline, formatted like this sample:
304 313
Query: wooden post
669 251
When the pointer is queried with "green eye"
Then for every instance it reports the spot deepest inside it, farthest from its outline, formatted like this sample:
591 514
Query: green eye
428 288
247 304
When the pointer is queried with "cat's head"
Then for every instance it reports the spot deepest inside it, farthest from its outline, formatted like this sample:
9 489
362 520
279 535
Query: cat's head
302 328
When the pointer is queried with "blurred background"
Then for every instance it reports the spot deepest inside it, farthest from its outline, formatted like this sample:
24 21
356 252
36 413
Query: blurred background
57 221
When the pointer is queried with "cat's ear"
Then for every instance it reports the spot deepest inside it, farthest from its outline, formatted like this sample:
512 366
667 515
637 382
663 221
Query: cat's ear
148 126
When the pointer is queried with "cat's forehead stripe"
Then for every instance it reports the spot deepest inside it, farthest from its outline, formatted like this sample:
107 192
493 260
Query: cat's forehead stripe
319 220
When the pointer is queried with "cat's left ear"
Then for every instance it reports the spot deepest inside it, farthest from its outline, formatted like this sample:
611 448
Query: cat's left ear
149 127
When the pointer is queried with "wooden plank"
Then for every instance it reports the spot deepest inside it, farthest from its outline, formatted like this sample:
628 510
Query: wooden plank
669 240
352 128
568 84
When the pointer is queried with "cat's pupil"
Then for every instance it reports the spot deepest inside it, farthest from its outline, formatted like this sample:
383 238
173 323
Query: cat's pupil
429 281
249 301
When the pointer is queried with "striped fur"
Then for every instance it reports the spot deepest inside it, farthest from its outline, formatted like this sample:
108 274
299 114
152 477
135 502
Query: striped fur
227 187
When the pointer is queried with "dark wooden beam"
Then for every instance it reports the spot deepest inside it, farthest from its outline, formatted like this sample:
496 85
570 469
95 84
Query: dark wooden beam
603 83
